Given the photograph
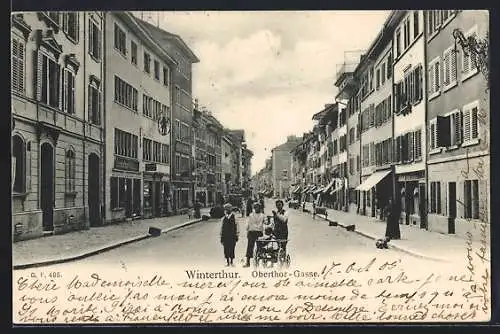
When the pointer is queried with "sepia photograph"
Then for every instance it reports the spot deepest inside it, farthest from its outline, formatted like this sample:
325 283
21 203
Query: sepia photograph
249 167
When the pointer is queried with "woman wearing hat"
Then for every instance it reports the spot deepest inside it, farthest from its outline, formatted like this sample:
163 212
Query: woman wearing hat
229 233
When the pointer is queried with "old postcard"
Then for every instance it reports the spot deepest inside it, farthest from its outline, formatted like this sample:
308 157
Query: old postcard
250 167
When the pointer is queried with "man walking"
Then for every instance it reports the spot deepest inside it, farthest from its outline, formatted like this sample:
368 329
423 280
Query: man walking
255 226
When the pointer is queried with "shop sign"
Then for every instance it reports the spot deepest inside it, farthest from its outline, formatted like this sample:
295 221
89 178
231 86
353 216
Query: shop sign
150 167
126 164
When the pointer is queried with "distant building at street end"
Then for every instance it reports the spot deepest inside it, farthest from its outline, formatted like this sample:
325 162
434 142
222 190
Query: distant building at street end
282 166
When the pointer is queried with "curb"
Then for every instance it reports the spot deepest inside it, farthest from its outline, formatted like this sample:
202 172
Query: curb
392 246
103 248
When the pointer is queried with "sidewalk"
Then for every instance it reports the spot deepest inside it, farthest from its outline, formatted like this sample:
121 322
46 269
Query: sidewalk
415 241
79 244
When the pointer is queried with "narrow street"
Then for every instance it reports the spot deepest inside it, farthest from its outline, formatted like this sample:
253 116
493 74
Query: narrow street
198 246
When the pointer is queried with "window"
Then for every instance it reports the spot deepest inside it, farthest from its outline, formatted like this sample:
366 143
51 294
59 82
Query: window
49 74
125 144
19 154
68 91
147 62
94 40
125 94
70 171
94 104
156 152
382 73
378 78
366 155
17 62
71 25
165 153
166 76
471 199
434 77
358 163
177 95
470 122
120 40
389 66
157 69
430 22
147 146
54 16
372 154
372 78
178 129
133 52
449 67
435 197
416 28
455 127
352 136
418 144
468 61
406 32
398 42
433 133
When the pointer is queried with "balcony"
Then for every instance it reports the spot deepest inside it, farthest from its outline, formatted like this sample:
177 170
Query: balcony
344 78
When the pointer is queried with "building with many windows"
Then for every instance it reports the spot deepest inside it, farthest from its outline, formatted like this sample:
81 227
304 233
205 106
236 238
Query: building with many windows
409 115
375 123
182 134
281 166
137 116
458 122
57 133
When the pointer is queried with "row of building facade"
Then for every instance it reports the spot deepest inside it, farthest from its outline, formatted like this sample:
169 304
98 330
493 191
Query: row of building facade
104 126
410 123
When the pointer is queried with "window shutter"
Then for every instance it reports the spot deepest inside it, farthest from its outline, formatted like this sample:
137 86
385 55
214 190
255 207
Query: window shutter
458 127
90 104
58 85
453 65
77 26
431 79
38 80
483 198
465 62
98 109
91 37
420 82
65 21
474 124
437 76
15 66
73 95
410 146
28 167
446 68
65 91
99 42
467 124
433 135
20 66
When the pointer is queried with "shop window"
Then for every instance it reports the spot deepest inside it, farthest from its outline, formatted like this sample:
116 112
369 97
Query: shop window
147 193
435 197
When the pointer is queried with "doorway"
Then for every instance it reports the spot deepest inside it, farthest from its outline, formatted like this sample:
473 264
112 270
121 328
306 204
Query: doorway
157 202
452 206
422 206
47 186
93 190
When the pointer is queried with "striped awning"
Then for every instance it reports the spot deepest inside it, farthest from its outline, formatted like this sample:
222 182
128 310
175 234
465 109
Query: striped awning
329 186
318 189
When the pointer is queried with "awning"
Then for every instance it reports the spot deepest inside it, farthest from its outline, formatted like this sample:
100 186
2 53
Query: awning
311 189
329 186
371 181
318 190
297 190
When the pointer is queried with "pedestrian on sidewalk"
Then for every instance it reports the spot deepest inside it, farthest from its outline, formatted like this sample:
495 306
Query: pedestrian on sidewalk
314 210
280 217
255 227
229 234
392 220
249 206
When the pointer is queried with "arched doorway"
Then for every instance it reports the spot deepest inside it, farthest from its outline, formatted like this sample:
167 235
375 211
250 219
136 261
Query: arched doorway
93 190
47 186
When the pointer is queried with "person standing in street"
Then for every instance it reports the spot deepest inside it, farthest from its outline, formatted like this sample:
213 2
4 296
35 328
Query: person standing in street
229 234
261 201
255 227
280 216
249 206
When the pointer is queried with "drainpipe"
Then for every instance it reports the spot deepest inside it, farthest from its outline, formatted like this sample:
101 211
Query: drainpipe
103 108
423 220
85 119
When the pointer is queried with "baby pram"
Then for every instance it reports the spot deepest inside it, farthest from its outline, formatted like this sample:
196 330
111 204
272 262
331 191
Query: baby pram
271 251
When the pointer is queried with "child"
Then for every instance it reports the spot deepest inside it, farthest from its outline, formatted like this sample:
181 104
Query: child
265 242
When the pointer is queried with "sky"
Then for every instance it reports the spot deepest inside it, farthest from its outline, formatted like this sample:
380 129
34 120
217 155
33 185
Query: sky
269 72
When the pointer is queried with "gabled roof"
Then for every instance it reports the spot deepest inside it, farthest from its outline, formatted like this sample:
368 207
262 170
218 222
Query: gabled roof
161 35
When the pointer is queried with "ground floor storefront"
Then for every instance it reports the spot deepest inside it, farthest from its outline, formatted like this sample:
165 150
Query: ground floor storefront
182 195
411 192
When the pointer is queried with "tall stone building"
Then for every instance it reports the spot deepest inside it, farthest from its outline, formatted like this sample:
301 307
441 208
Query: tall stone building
281 166
458 119
138 113
182 134
57 80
